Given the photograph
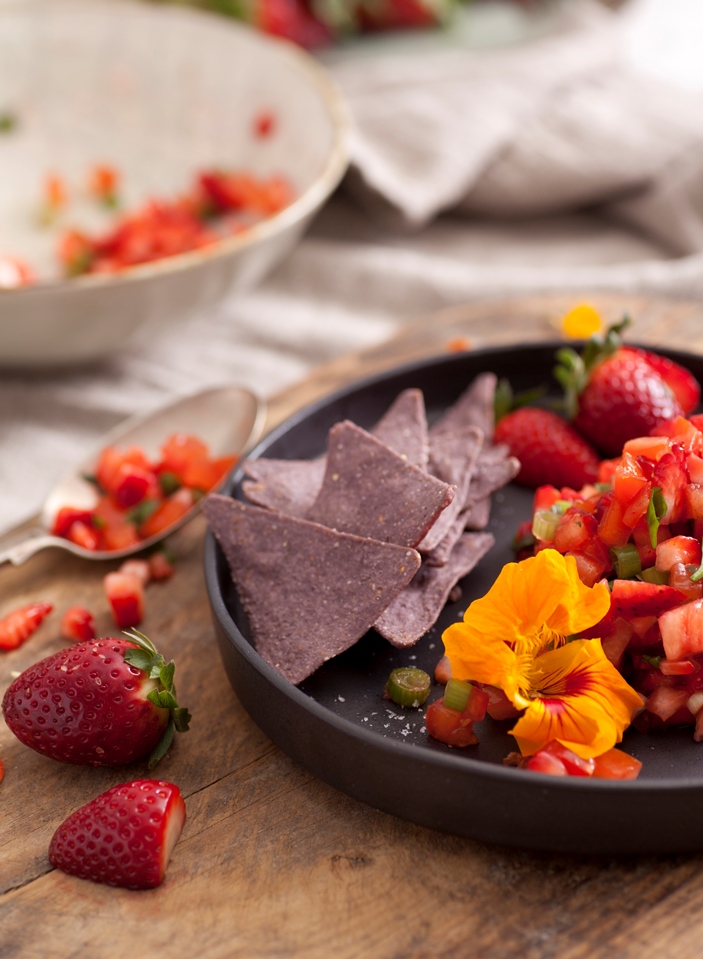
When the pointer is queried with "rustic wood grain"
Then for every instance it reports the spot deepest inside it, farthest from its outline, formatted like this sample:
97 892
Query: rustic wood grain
274 863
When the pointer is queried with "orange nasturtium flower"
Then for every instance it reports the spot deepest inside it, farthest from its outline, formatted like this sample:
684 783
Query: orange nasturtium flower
515 638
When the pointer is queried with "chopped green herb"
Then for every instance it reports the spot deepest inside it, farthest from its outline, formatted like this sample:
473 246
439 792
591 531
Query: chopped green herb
652 660
141 513
169 483
656 511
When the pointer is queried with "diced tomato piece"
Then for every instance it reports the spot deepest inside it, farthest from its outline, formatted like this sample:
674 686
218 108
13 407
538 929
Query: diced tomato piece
650 447
590 570
574 528
179 450
606 470
171 511
18 626
66 517
628 479
678 549
637 507
544 762
612 529
443 671
682 630
83 534
680 578
77 624
499 706
139 568
125 595
545 497
616 764
110 461
631 598
453 727
160 566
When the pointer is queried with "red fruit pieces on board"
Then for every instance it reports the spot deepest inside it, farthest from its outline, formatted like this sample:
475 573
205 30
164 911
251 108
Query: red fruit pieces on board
125 594
124 837
550 450
18 626
77 624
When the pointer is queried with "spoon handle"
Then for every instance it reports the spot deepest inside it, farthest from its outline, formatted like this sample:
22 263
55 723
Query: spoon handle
18 548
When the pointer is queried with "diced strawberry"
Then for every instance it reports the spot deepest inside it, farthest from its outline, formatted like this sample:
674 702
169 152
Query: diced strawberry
544 762
665 701
637 507
682 630
680 667
18 626
160 566
628 479
139 568
631 598
545 497
499 706
616 643
173 509
575 527
179 450
616 764
83 534
694 501
670 476
678 549
77 624
649 447
131 484
125 594
443 671
574 765
454 727
606 469
66 517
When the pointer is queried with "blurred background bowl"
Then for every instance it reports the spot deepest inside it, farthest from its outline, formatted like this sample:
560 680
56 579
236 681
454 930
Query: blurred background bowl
159 93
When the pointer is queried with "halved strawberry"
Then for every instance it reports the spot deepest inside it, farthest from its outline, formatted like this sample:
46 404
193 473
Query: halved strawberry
124 837
631 599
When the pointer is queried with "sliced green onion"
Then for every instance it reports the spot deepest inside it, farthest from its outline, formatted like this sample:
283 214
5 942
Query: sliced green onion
659 577
626 561
561 506
603 487
698 574
656 511
654 661
544 524
142 511
456 694
408 686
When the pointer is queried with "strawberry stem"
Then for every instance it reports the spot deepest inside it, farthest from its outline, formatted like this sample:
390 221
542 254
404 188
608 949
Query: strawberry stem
147 658
573 369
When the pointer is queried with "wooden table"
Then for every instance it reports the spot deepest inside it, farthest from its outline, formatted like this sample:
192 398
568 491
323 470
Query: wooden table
274 863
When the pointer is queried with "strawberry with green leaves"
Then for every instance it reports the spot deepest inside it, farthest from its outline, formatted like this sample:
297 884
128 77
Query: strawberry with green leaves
124 837
615 392
106 702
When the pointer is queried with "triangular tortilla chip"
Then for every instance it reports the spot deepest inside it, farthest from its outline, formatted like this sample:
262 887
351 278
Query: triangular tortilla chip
403 427
292 485
475 407
417 608
309 592
453 457
369 490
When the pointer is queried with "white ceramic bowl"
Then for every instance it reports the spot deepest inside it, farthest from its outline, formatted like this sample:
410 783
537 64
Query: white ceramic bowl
160 92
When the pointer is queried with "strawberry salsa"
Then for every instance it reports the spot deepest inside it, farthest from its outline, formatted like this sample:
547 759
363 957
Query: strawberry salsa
139 498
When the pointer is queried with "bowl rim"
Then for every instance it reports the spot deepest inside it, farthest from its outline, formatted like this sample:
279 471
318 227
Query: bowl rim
334 168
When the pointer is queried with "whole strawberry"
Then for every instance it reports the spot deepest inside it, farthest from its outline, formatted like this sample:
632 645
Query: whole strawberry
101 703
550 450
615 393
124 837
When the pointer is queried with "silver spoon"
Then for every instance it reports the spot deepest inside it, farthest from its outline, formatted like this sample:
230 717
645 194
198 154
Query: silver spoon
228 419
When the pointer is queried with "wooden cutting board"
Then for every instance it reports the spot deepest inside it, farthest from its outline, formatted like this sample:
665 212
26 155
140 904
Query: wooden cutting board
272 862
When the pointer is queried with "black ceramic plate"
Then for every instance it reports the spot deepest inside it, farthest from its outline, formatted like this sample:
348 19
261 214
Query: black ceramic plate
338 726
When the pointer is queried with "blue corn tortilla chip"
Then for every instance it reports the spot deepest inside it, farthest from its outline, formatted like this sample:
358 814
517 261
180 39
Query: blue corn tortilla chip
369 490
309 592
453 456
417 608
291 486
